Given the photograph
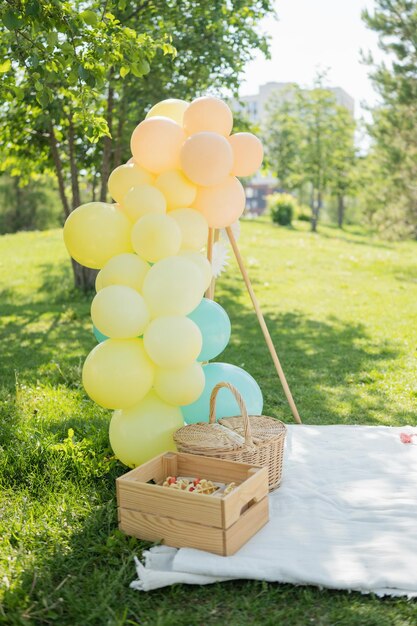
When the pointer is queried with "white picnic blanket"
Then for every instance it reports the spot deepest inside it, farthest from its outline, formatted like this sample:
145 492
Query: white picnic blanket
345 517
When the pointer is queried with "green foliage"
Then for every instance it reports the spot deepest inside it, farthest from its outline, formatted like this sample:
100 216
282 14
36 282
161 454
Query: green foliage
282 136
347 357
77 77
34 206
282 208
310 140
57 52
393 129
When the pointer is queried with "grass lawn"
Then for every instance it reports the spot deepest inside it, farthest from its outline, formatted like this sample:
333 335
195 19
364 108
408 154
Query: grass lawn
341 307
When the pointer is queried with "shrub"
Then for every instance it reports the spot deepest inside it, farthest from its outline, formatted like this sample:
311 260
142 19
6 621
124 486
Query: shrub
282 207
304 213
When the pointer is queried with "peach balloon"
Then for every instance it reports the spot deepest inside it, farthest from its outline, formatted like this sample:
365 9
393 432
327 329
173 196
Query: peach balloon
124 177
206 158
208 113
172 108
142 200
177 189
247 154
223 204
156 143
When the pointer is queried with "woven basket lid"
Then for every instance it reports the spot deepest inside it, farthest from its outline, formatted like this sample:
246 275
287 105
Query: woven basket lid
229 433
263 428
210 436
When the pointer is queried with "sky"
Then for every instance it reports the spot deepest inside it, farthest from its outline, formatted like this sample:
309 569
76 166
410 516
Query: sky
317 34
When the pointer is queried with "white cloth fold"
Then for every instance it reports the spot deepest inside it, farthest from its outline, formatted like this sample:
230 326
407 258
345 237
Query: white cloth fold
345 517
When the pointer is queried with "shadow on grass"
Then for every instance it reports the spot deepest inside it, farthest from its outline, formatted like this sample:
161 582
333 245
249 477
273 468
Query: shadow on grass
326 364
44 329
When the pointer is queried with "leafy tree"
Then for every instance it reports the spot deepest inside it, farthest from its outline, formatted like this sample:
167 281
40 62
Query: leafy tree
58 57
394 127
343 182
310 139
282 137
76 71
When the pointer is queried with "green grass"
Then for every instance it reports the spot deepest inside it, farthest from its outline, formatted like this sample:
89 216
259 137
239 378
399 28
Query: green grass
341 308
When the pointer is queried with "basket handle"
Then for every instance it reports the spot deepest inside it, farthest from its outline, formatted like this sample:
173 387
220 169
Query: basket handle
247 433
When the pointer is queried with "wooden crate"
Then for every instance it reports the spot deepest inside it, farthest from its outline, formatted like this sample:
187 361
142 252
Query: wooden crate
183 519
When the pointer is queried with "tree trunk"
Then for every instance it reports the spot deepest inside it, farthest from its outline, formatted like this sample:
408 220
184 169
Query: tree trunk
315 214
117 155
84 278
340 210
107 143
94 187
58 170
75 188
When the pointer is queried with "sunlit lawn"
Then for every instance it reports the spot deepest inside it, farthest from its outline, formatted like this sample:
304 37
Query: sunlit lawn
342 309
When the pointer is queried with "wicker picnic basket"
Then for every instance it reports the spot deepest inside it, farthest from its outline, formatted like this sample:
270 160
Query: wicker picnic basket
255 439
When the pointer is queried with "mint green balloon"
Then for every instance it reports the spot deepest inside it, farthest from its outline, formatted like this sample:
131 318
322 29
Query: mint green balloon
215 327
98 335
226 405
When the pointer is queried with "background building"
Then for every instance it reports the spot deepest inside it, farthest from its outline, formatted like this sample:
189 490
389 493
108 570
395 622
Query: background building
255 105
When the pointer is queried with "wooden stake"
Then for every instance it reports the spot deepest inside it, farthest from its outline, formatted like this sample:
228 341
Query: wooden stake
213 280
263 325
209 257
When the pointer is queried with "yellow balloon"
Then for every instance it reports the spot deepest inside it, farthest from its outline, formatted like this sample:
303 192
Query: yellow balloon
124 269
247 154
155 237
118 373
119 312
173 286
208 113
206 158
202 262
125 177
156 143
173 341
144 199
99 281
177 189
194 228
145 430
95 232
180 385
172 108
223 204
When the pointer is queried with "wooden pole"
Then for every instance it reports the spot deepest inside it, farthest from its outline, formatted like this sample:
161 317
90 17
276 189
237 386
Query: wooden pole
263 325
209 257
213 280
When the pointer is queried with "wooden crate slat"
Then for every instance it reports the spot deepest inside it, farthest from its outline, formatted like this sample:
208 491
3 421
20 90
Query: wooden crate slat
176 533
247 525
254 488
171 503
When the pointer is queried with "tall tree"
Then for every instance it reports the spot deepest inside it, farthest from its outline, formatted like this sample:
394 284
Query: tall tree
57 60
282 134
76 71
394 127
310 139
343 181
